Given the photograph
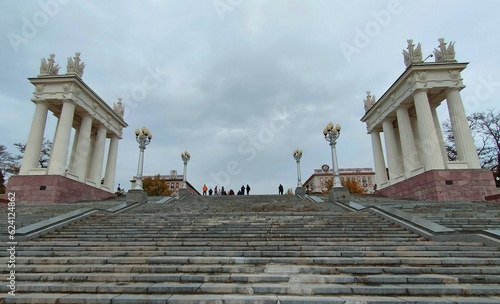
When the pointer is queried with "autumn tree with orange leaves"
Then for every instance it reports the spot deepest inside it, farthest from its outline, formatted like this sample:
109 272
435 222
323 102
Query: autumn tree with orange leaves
156 186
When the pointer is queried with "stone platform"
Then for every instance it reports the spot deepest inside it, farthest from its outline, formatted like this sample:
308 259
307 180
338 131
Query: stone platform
53 189
445 185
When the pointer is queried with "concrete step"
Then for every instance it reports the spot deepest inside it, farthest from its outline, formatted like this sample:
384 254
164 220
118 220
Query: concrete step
297 245
267 288
66 298
245 252
213 269
182 277
332 261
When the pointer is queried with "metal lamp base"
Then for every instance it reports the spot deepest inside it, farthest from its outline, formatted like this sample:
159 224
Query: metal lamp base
183 192
137 196
300 191
339 194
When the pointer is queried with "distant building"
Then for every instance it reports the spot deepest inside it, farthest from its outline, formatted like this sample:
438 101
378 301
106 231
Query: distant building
318 181
174 183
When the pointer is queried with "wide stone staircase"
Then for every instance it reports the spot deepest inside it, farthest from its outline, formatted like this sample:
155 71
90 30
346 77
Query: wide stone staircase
461 216
249 249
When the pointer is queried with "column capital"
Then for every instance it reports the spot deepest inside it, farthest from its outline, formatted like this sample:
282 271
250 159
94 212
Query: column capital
65 100
452 89
420 90
38 100
388 119
402 106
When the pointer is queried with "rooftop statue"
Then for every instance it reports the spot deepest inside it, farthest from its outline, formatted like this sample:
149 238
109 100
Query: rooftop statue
48 67
445 53
119 108
74 65
369 101
413 55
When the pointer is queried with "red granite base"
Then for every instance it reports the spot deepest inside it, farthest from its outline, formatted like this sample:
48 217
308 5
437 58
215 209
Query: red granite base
53 189
445 185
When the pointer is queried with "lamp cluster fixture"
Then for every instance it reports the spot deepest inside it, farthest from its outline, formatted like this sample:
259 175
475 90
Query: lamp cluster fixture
297 154
331 130
185 156
143 134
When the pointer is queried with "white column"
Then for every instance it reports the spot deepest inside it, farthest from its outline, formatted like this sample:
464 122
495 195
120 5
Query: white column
431 152
378 157
399 165
59 153
109 176
35 138
392 149
407 140
466 150
71 166
439 134
90 155
416 136
82 148
98 157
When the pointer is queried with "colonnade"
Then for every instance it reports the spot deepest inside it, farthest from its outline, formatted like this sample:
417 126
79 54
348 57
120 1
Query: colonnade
87 152
80 111
406 116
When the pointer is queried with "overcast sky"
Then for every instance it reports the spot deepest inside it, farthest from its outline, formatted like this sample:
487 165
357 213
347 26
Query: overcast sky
240 83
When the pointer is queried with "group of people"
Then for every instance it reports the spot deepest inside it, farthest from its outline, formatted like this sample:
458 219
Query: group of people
222 191
242 190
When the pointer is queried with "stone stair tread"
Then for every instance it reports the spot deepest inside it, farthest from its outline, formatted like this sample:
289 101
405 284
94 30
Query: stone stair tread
288 288
211 298
427 278
259 253
329 245
215 268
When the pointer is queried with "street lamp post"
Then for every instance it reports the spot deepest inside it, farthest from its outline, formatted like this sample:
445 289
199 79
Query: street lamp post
332 133
136 193
143 137
297 154
299 190
185 159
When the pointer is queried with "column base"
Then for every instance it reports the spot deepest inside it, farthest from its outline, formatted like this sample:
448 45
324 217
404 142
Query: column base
339 194
53 189
300 191
137 196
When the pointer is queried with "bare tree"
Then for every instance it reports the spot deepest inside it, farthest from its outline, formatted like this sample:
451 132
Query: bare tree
485 129
43 161
8 164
